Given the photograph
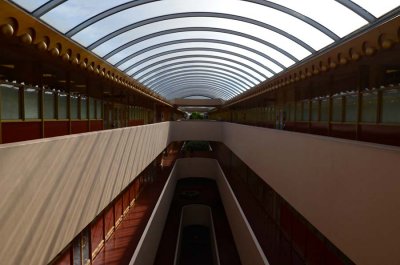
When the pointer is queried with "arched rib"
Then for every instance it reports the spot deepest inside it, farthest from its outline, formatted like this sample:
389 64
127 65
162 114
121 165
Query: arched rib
196 66
200 14
196 62
158 55
159 45
195 56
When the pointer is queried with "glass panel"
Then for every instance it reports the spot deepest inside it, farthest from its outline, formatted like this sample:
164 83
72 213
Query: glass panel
377 8
29 4
250 66
85 247
62 106
257 42
204 47
315 110
76 251
92 108
31 100
326 13
74 107
270 16
306 111
290 116
207 65
49 105
83 108
324 110
99 110
298 110
9 96
337 109
369 106
391 106
73 12
351 108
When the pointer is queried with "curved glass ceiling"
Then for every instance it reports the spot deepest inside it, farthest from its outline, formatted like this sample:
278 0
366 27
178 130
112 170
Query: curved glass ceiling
209 48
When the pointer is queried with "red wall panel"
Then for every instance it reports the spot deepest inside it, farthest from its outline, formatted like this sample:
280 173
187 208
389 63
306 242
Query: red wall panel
21 131
56 128
135 122
96 233
96 125
384 134
79 126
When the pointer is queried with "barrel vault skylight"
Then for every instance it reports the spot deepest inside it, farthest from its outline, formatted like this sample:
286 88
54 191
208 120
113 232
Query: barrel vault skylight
207 48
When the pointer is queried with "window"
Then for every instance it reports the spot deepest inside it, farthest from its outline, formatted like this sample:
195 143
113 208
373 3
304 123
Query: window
324 109
337 104
351 108
369 106
62 106
298 110
31 103
74 106
9 96
92 108
80 249
83 108
315 110
99 110
49 105
306 110
391 106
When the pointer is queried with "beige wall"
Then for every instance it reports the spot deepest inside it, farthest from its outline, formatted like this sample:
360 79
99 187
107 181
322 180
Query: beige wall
51 189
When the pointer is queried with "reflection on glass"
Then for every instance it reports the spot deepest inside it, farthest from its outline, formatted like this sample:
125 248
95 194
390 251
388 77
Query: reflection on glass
74 107
337 109
9 96
92 108
391 106
99 110
85 247
306 110
83 108
31 102
49 105
298 110
324 110
369 106
76 251
62 106
351 108
315 110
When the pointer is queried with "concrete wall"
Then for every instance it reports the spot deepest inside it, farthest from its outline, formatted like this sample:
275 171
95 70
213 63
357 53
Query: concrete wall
51 189
348 190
